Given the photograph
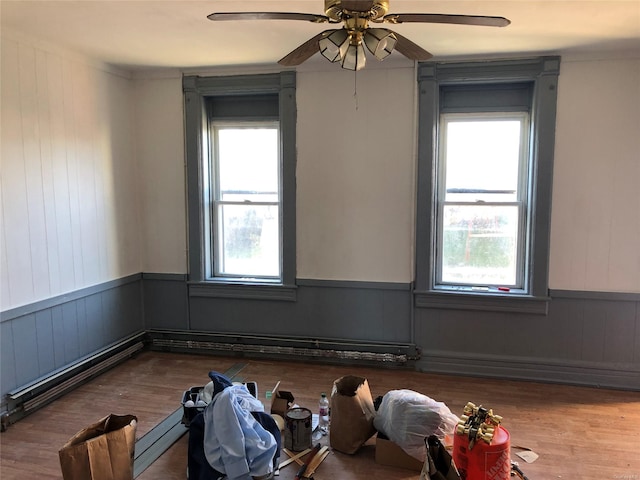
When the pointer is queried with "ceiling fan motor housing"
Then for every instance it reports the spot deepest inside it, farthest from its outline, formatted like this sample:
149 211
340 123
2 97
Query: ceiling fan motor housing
373 9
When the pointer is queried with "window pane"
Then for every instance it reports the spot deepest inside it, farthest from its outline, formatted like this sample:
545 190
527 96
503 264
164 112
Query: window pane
250 243
479 244
482 160
248 164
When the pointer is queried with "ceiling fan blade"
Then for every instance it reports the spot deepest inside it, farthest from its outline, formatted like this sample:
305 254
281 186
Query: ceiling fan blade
411 50
310 17
442 18
304 51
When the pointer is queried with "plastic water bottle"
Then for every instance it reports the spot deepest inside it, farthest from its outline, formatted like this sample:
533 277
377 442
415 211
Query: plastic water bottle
323 414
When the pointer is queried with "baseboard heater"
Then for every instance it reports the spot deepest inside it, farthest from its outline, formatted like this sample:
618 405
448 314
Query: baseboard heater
30 397
325 350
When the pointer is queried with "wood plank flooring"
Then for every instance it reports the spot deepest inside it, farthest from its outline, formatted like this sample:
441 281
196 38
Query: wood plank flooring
579 433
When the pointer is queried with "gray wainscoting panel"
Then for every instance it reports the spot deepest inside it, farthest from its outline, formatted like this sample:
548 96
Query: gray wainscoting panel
531 369
45 349
70 328
165 301
59 335
42 337
7 359
587 338
324 309
26 347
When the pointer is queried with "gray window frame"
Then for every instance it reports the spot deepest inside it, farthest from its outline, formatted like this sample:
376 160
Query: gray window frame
197 91
543 72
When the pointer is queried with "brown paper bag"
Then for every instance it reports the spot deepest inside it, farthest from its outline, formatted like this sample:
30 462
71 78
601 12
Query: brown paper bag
352 413
102 451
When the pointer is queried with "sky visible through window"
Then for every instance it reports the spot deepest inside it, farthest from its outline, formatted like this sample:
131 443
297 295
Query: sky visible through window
248 160
483 154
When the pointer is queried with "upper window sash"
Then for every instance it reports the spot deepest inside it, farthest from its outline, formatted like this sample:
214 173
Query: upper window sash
267 197
504 192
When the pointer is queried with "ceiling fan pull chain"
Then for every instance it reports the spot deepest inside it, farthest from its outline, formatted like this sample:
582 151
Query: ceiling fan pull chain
355 88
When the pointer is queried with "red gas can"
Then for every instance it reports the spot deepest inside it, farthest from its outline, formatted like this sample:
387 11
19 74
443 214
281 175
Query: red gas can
484 461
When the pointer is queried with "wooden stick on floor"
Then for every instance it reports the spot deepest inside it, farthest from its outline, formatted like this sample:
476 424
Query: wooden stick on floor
294 457
317 460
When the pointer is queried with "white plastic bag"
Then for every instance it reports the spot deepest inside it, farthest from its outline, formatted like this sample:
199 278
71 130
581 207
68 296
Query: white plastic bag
407 418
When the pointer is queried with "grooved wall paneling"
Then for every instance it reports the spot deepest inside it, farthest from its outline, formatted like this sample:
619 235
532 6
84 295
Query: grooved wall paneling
321 310
52 335
70 214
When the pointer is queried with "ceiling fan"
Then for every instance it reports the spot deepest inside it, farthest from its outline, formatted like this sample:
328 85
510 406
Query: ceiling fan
345 45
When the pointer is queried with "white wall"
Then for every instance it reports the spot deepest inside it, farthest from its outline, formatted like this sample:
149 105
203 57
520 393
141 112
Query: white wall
160 153
69 181
355 172
355 175
75 210
595 234
356 191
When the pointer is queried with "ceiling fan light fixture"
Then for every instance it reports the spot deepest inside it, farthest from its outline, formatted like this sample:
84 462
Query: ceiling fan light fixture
335 45
354 58
380 42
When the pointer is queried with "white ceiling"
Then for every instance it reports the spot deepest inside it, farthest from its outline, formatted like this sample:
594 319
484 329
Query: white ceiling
146 34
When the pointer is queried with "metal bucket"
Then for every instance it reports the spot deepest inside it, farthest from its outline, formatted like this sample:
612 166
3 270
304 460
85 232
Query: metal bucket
297 429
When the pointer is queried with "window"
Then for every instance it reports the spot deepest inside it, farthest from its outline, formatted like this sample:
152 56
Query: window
486 139
240 137
481 200
244 175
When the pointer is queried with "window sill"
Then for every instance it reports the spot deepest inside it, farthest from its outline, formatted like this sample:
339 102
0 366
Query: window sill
490 301
243 290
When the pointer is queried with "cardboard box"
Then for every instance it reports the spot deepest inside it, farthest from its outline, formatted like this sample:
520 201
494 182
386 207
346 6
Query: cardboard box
389 453
281 401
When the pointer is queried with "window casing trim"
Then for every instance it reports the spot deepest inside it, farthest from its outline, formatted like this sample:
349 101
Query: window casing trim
543 72
197 90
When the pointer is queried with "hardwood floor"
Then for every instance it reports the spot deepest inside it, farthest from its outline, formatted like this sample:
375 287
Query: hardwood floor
578 433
